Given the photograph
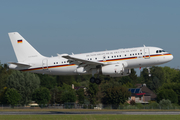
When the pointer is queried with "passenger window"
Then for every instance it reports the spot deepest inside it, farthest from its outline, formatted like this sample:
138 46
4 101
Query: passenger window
114 56
156 51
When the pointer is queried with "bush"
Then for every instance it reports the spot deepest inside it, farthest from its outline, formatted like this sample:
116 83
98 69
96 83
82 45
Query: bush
139 105
165 104
131 107
154 105
132 102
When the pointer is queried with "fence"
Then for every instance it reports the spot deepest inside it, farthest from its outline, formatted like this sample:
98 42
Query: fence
89 106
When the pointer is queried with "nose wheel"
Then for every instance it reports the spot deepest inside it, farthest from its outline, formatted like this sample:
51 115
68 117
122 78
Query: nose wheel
95 80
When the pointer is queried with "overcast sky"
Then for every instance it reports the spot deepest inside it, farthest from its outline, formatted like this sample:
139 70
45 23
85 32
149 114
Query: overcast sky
78 26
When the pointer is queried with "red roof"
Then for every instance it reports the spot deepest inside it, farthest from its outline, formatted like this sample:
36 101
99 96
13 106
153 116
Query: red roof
140 93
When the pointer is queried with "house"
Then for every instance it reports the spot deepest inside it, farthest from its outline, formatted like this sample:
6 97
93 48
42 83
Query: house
141 94
146 90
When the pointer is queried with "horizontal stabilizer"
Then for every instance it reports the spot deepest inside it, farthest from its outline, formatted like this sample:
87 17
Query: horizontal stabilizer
20 64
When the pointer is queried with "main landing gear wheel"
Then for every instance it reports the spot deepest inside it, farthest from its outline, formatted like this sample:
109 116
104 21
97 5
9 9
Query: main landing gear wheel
98 81
93 80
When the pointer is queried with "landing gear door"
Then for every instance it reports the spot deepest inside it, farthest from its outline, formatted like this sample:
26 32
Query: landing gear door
146 53
45 64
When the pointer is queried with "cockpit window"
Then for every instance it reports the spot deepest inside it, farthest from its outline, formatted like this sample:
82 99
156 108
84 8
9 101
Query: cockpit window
159 51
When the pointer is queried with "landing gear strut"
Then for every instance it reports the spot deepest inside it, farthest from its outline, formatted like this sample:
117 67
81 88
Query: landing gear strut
95 80
149 71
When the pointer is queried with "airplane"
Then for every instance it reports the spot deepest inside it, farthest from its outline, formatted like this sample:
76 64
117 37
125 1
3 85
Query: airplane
114 63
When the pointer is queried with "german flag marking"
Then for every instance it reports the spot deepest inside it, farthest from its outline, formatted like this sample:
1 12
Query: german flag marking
19 41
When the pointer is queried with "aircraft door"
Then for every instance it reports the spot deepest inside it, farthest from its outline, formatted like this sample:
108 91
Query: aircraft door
104 57
45 64
146 53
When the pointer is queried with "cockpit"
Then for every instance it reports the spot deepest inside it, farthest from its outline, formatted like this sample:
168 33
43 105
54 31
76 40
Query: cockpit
160 51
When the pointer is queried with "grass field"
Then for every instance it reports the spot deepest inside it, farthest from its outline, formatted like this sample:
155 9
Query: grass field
89 117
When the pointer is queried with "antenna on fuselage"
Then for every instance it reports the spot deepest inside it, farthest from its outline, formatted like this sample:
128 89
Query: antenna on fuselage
144 45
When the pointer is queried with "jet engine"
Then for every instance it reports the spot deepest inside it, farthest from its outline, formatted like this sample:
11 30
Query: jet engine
115 69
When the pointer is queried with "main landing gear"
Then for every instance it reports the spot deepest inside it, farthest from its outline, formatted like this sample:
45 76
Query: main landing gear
95 80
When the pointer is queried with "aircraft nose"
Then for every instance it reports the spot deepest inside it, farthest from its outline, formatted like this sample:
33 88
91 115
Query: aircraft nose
170 57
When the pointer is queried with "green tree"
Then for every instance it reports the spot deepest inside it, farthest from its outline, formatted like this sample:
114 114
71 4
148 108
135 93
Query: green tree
68 94
171 75
174 86
80 95
4 73
69 80
92 92
12 96
25 83
133 77
116 95
124 80
176 77
167 94
41 96
156 80
55 95
47 81
3 97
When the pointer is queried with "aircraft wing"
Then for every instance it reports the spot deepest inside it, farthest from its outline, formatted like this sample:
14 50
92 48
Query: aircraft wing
82 61
21 64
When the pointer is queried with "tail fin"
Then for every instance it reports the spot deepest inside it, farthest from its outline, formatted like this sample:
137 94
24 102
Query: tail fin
22 48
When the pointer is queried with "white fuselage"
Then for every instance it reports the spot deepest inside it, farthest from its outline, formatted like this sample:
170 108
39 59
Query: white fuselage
133 57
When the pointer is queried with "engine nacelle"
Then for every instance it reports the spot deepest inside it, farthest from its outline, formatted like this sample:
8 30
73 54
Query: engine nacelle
112 69
80 70
125 73
116 70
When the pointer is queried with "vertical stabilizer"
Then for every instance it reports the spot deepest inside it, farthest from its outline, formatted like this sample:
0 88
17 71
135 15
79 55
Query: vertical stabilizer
22 48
